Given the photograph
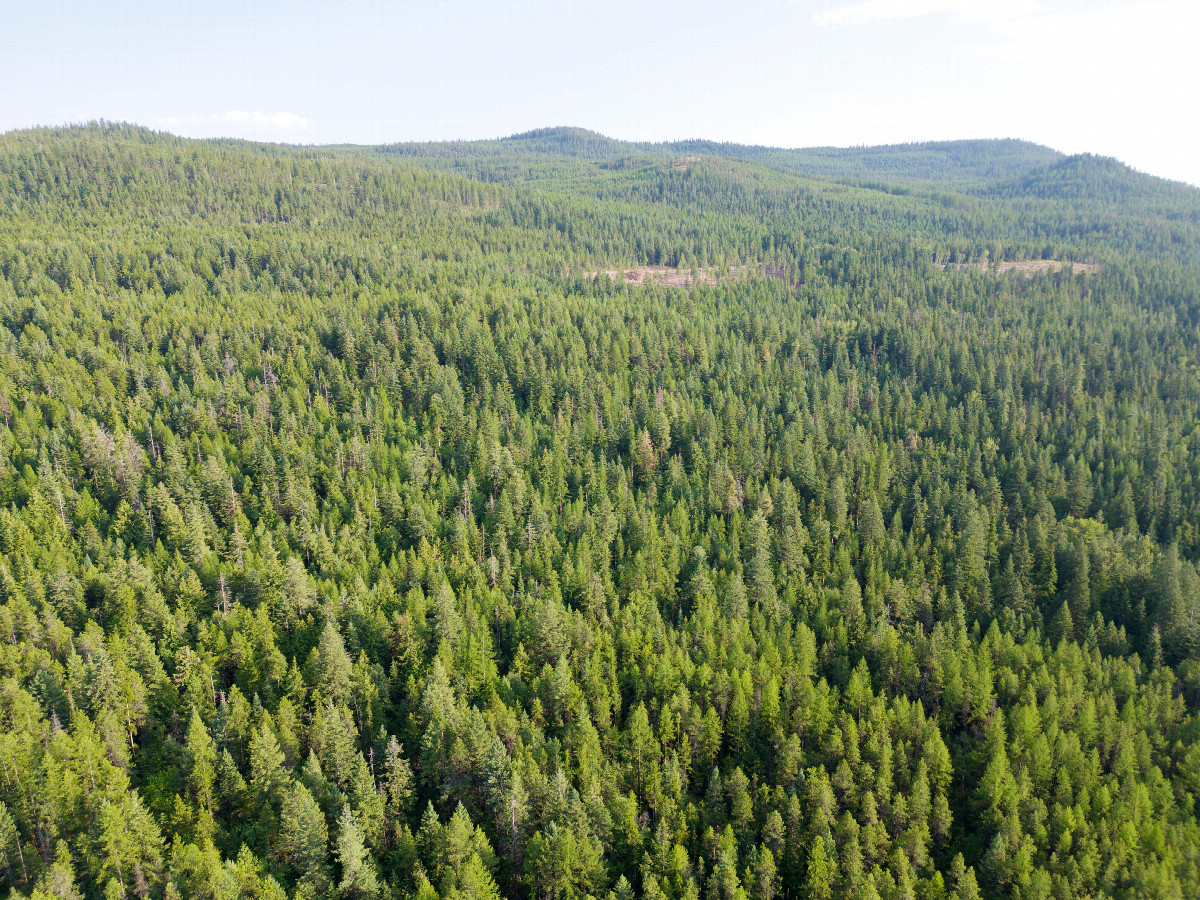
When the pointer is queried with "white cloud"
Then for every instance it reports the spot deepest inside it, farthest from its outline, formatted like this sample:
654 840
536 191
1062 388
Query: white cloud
869 11
239 118
285 120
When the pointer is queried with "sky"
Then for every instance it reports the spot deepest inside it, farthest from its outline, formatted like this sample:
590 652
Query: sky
1113 77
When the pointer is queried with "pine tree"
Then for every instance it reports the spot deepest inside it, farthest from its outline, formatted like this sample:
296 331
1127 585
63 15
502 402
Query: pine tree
10 847
760 569
303 839
398 779
1079 492
333 672
358 870
819 872
267 774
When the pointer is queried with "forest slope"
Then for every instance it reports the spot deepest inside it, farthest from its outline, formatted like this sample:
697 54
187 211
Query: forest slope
357 541
933 161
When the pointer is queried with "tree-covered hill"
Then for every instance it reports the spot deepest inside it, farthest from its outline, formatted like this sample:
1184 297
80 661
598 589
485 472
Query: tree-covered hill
357 540
1002 199
930 161
1098 178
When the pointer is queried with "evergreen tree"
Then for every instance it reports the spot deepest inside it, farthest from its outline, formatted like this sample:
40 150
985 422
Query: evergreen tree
358 871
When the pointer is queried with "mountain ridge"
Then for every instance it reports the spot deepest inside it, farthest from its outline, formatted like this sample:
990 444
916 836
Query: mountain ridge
1013 166
866 161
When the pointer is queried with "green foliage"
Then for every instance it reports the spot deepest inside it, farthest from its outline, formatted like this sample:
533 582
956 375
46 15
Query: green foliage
356 540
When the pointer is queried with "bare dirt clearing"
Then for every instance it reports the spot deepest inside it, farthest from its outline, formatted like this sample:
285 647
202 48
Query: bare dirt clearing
669 276
672 277
665 275
1027 266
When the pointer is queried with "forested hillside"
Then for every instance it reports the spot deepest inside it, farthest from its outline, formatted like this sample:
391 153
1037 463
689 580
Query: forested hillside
362 537
934 160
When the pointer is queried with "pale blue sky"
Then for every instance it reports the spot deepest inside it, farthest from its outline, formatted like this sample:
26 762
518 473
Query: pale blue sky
1110 76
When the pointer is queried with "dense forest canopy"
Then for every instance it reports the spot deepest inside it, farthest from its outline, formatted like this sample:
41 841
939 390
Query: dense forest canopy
935 160
363 537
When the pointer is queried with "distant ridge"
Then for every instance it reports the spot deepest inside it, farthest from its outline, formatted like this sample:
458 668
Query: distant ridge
1091 177
1002 185
928 161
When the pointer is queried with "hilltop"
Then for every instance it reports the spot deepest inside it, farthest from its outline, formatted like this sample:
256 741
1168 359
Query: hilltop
932 161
